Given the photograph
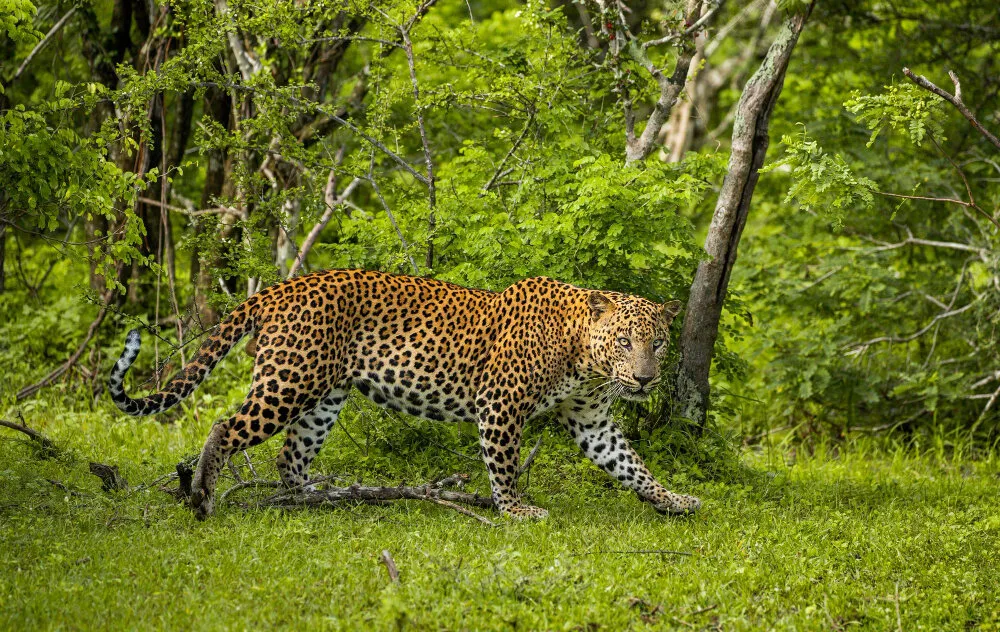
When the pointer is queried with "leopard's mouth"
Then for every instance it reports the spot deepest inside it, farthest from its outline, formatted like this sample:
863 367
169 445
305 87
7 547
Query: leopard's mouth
636 393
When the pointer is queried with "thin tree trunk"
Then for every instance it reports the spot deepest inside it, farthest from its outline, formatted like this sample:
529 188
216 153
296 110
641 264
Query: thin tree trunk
3 257
179 136
103 51
711 281
217 106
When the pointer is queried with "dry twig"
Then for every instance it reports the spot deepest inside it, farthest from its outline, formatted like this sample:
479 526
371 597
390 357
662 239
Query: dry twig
390 565
47 444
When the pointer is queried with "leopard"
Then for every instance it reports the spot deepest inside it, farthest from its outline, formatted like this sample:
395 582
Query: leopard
433 350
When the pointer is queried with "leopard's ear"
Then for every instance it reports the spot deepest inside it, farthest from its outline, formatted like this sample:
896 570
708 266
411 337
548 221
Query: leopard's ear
599 304
670 309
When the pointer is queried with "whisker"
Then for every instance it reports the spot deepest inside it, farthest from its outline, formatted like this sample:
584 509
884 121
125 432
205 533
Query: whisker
599 386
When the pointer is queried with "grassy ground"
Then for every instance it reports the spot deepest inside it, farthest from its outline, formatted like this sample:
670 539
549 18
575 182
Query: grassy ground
867 540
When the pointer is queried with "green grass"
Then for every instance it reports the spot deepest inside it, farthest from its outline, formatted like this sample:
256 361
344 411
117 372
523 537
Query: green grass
822 544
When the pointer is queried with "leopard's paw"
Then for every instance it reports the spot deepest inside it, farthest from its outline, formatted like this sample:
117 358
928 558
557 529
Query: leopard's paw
678 504
202 503
526 512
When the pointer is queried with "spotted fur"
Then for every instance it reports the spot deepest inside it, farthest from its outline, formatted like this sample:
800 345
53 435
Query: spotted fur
432 350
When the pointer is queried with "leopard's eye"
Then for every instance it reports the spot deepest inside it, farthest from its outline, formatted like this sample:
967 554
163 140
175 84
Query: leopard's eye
625 342
657 343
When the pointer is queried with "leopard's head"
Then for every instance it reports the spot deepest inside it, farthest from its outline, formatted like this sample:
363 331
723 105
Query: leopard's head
628 337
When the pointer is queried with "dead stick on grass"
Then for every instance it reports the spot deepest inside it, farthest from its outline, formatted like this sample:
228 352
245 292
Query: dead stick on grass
435 492
431 492
462 510
45 442
390 565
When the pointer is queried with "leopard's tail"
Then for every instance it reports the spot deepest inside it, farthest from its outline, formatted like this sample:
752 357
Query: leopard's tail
234 327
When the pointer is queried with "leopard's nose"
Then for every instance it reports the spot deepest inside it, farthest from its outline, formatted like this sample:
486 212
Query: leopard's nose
643 380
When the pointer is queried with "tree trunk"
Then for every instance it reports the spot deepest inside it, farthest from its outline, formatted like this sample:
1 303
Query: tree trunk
3 257
711 281
103 50
217 106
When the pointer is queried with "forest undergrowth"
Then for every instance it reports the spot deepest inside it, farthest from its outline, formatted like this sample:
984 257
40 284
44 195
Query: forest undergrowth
870 536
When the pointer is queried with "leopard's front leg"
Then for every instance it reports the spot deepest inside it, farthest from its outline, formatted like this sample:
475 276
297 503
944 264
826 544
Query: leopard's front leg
603 443
500 426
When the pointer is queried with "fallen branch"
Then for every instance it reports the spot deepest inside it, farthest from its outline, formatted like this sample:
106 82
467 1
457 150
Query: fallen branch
111 478
48 445
28 391
390 565
435 492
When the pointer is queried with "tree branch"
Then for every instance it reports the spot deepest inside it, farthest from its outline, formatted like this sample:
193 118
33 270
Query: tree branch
42 44
28 391
317 107
638 148
395 225
404 32
332 203
48 444
954 99
862 347
499 172
248 63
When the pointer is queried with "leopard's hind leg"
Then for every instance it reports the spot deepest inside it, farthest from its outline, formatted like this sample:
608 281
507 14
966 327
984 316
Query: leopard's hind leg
305 437
260 417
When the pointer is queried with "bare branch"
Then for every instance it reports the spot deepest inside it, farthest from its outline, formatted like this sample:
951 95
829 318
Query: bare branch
638 148
395 225
45 442
28 391
222 210
971 205
694 28
332 203
317 107
499 173
404 32
247 61
928 242
353 38
42 44
862 347
954 99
